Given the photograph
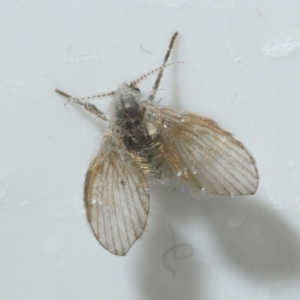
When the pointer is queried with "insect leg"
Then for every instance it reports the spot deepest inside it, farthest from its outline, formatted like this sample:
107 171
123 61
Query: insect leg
159 76
88 106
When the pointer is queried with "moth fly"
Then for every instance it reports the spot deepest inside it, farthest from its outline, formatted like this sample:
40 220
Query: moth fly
146 140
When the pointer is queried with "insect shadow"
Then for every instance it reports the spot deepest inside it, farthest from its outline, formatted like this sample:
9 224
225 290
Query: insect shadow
249 236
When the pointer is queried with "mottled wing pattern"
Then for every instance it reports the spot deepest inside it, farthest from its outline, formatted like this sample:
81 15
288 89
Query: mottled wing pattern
116 197
209 158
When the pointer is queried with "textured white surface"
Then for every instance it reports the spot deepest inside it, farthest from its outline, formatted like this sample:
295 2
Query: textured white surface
242 70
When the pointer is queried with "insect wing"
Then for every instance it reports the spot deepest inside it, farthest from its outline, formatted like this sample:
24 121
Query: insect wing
116 197
206 156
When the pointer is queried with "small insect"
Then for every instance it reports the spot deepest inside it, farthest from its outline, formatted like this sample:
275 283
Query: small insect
145 140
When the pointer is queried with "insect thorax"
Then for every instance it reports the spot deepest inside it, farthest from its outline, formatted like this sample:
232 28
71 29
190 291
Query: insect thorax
132 121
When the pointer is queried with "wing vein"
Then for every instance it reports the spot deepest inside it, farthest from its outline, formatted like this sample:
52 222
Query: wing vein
227 169
116 179
121 205
207 168
210 142
141 180
245 163
111 212
134 205
104 204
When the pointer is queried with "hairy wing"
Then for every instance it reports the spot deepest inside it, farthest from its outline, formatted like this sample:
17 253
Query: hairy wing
206 156
116 197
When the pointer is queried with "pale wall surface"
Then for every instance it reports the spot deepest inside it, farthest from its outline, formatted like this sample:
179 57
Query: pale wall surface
242 69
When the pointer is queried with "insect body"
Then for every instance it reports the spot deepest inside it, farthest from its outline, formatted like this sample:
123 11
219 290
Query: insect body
144 139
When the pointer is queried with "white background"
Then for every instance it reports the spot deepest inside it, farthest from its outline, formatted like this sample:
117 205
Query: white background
242 69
